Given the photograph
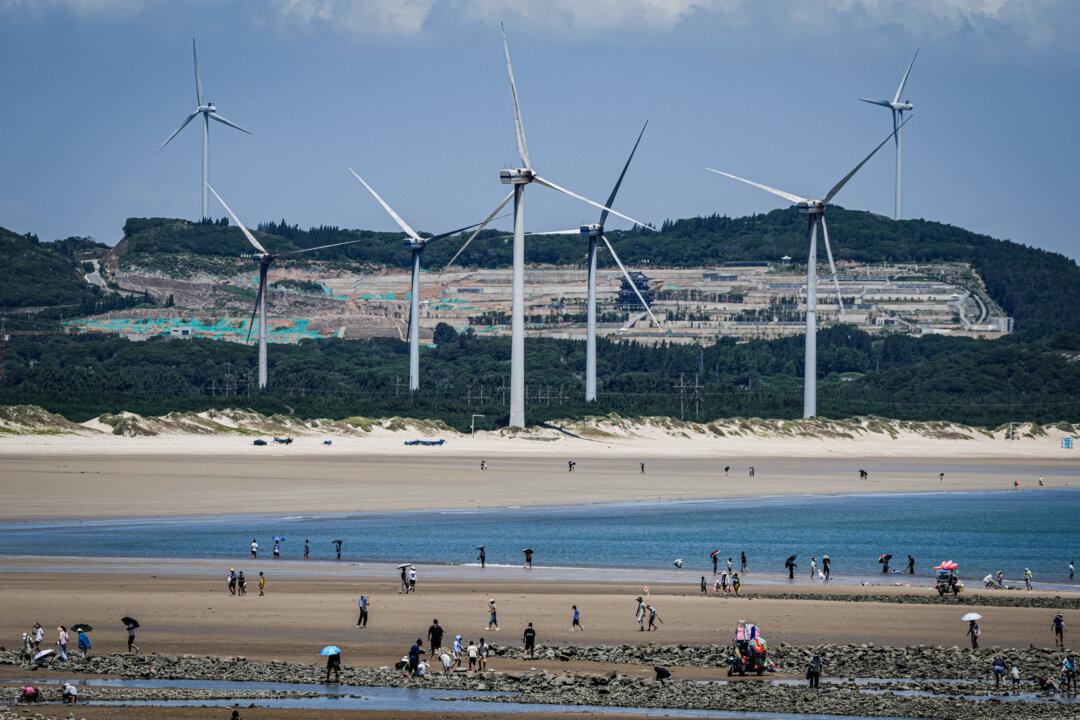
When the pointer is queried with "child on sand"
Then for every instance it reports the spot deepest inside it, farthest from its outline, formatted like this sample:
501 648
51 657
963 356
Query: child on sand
262 585
735 583
653 618
575 621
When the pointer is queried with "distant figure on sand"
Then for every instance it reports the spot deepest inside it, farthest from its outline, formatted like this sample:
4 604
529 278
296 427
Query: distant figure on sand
483 464
575 620
1058 625
640 614
974 632
826 567
404 579
1027 578
742 562
570 465
730 565
363 604
130 625
1072 570
307 548
813 568
910 565
863 475
751 471
231 580
241 584
277 550
790 565
642 468
415 652
412 579
337 548
715 560
653 619
726 468
493 615
735 584
435 636
254 548
262 585
482 557
528 558
941 477
529 638
704 586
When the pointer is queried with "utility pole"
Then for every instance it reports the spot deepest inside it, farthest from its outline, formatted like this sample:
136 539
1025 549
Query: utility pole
472 424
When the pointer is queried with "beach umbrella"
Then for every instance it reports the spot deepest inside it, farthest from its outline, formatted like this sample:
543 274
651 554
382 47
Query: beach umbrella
44 654
790 560
678 562
129 621
404 566
81 627
971 616
885 557
330 650
526 550
278 538
714 553
481 547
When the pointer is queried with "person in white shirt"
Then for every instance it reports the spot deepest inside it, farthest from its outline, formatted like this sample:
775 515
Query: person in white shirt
447 663
254 548
474 654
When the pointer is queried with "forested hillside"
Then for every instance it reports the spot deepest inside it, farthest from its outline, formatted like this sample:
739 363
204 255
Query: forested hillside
971 381
1034 286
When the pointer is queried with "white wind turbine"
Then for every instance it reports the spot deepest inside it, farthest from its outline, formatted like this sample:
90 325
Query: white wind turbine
815 212
416 244
898 108
265 258
519 178
208 112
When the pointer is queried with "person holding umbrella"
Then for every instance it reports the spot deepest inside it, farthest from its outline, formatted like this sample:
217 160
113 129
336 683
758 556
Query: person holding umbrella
884 559
337 548
333 661
528 558
825 567
790 565
84 639
131 623
972 619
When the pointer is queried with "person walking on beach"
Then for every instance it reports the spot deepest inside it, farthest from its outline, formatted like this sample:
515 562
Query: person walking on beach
277 550
1027 578
38 636
570 465
825 567
457 651
813 568
307 548
910 565
751 471
1058 626
528 558
724 583
62 642
715 559
262 585
493 615
742 562
998 667
974 632
735 583
130 625
483 465
575 620
790 565
404 579
813 672
412 579
333 665
231 580
726 468
941 477
704 587
241 584
863 475
730 566
482 557
653 619
435 636
642 468
481 660
473 652
84 643
1072 570
415 652
337 548
529 638
254 548
640 614
363 605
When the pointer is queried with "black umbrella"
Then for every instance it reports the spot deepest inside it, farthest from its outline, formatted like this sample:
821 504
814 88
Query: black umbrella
81 627
884 558
790 560
129 621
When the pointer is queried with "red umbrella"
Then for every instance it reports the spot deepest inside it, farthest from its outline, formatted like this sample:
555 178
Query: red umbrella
713 554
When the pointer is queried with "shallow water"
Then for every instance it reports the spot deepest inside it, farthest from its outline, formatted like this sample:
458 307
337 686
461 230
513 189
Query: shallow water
984 532
353 697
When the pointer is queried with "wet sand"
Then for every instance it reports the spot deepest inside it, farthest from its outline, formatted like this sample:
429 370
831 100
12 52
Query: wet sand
141 713
143 483
194 614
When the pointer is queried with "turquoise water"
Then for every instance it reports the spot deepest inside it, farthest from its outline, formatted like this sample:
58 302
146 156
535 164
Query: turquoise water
984 532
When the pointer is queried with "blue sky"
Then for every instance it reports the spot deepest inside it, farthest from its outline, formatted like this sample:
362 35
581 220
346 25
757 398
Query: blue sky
413 94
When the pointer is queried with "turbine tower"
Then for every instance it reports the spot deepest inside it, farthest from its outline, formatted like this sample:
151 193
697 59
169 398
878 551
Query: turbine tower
898 108
815 212
595 232
518 178
208 112
266 259
416 244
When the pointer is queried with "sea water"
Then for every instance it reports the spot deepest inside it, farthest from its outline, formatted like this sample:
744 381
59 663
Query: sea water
984 532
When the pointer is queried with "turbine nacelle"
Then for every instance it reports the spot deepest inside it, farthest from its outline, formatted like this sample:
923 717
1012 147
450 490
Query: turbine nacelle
413 244
812 207
592 230
516 176
906 105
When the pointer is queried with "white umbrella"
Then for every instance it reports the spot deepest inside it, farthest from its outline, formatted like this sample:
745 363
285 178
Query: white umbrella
405 566
43 654
971 616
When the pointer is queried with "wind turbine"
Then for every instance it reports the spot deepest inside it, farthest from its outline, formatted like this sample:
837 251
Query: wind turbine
519 178
815 212
593 232
208 112
416 244
898 109
265 258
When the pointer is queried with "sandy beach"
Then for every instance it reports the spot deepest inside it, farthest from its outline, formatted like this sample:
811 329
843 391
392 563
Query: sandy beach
117 477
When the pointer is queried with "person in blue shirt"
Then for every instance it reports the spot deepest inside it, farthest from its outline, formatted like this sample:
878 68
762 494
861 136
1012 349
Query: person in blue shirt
575 622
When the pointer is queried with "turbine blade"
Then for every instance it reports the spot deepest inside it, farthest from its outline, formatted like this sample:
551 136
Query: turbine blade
832 266
397 218
882 103
523 151
615 190
258 298
843 181
223 121
177 132
480 228
573 231
320 247
247 233
582 198
786 195
198 80
440 236
903 80
629 279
